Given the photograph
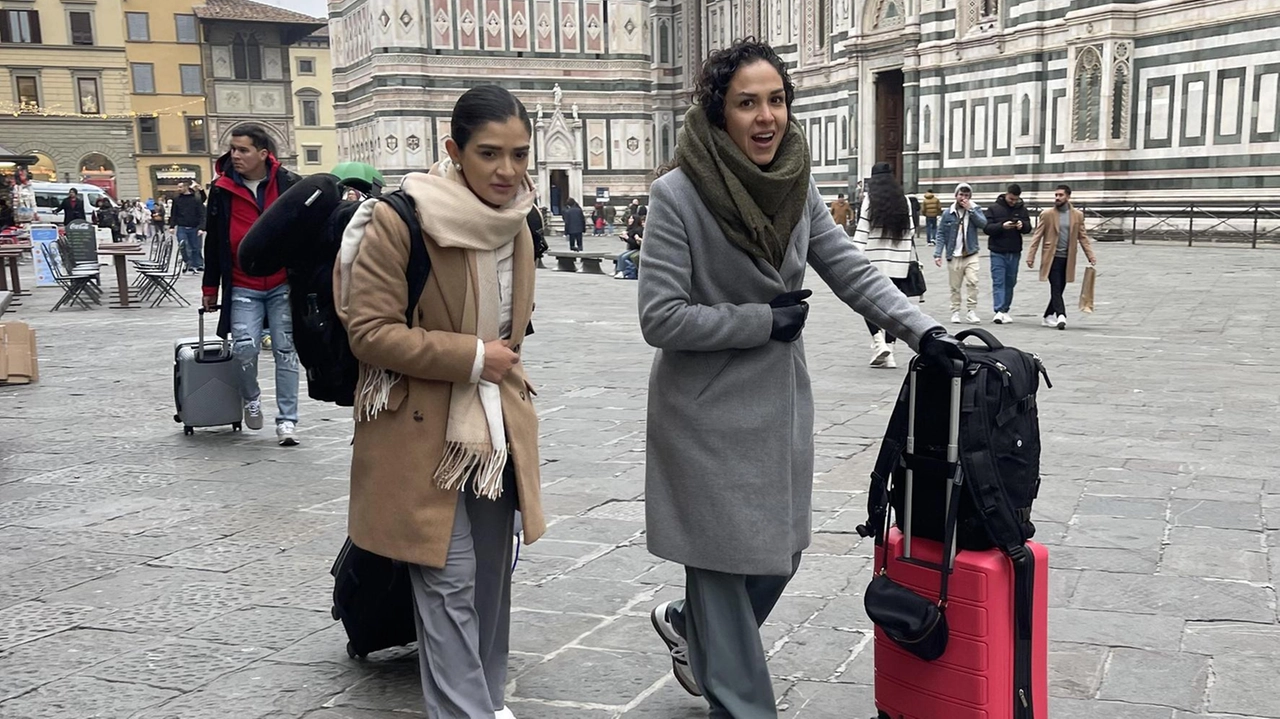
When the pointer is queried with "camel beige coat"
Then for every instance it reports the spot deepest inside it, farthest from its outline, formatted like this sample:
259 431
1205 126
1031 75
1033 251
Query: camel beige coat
396 509
1045 239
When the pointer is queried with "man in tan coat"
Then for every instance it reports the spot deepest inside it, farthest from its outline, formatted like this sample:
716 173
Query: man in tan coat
841 211
1060 230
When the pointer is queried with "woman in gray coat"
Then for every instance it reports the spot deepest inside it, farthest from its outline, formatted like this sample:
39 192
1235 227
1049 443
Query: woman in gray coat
729 459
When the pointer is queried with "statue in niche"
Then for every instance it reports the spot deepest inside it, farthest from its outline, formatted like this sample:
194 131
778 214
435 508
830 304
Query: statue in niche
574 108
557 95
538 109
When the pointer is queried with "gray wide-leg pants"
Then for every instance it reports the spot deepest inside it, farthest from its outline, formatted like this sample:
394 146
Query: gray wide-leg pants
721 617
464 610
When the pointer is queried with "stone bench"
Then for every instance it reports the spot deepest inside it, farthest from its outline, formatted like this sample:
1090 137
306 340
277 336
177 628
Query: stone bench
568 261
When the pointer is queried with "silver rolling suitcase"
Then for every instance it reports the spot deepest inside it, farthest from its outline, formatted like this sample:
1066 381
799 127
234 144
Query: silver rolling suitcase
206 385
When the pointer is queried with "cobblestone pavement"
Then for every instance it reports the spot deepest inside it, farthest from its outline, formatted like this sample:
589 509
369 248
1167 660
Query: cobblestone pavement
148 574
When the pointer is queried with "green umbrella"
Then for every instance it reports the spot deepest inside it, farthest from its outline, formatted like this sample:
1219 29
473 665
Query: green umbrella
360 176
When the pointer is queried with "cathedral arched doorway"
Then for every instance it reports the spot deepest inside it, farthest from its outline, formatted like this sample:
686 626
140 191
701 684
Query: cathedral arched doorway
558 182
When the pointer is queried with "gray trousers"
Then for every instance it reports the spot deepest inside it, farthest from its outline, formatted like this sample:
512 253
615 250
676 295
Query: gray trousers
464 610
721 617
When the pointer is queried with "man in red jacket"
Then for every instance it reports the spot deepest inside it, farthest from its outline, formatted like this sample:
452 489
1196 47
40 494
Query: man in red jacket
249 180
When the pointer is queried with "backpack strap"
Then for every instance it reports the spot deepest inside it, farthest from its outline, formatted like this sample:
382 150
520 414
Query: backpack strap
891 450
419 261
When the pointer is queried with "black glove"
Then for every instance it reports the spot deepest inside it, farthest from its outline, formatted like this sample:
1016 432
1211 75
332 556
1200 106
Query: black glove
941 350
789 314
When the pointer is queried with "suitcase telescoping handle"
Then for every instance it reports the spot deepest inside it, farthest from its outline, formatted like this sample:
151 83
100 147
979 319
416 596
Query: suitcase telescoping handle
224 350
956 372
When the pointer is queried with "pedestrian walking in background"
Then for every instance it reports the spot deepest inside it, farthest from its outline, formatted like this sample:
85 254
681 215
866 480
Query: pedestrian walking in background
841 212
1060 230
187 219
958 238
107 217
575 223
142 217
446 437
931 207
158 213
597 220
1007 222
611 216
71 207
250 178
886 234
729 454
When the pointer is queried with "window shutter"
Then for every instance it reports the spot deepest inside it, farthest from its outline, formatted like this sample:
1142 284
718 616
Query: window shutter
6 35
35 26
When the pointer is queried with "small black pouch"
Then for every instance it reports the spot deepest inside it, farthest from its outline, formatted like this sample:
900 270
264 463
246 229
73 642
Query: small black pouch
913 622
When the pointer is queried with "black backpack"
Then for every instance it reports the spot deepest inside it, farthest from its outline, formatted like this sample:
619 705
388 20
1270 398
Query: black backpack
999 451
318 335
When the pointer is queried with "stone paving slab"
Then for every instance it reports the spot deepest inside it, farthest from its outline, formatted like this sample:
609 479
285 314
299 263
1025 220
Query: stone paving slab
150 575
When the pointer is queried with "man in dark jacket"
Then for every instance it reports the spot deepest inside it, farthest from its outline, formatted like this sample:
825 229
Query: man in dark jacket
575 223
1007 222
71 207
187 218
249 181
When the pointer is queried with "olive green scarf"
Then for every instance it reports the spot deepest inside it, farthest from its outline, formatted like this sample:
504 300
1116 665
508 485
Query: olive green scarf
756 207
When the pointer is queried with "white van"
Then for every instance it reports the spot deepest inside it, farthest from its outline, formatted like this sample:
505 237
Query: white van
51 194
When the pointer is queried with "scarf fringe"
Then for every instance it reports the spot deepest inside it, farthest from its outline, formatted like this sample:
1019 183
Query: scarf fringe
461 462
374 392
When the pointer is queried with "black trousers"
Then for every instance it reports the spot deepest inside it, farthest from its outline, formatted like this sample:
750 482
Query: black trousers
888 338
575 242
1057 285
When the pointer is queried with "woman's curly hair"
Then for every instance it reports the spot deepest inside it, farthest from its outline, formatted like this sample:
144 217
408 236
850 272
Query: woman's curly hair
713 82
888 206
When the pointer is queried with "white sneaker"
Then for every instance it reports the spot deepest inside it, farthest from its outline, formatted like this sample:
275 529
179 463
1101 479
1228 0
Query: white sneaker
1062 322
1049 321
998 318
890 362
504 713
285 434
1007 319
879 350
617 275
955 318
678 647
253 414
972 318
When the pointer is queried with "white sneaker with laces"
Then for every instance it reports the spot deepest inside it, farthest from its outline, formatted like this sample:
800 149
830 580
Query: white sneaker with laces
285 433
973 318
1049 321
890 362
503 713
879 350
1062 322
253 414
678 647
998 318
1007 319
955 318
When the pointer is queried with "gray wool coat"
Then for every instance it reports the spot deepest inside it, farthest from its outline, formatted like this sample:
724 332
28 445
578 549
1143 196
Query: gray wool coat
729 457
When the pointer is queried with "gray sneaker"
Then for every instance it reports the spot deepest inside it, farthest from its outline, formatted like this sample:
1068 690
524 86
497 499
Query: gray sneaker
285 432
253 413
678 647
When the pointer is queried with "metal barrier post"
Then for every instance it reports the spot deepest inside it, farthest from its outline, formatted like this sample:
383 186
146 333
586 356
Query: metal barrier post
1256 208
1191 224
1135 225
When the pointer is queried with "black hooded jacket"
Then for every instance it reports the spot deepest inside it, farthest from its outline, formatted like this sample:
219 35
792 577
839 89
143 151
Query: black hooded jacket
1001 238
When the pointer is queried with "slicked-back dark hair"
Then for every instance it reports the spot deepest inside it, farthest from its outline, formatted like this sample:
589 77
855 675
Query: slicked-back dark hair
713 82
481 105
257 135
1064 188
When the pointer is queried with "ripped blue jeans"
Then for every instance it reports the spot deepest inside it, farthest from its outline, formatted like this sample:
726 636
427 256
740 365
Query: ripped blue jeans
248 309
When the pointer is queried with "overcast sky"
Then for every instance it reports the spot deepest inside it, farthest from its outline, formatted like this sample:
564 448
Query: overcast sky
314 8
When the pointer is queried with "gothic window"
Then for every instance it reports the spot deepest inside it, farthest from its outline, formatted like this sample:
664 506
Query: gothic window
1085 109
664 43
823 9
1120 104
926 131
666 143
246 57
1026 115
889 13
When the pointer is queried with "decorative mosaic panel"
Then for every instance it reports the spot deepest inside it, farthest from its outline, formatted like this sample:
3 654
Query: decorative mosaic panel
441 24
570 27
519 27
544 27
470 25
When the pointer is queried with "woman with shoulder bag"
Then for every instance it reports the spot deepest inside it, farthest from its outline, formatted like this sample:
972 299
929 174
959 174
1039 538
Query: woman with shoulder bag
446 437
886 234
732 226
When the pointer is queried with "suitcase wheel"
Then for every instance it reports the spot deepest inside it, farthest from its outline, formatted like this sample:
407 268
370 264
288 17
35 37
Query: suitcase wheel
333 612
188 431
177 418
351 652
235 426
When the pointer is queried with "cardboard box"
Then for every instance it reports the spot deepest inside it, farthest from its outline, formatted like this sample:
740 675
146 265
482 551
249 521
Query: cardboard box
18 363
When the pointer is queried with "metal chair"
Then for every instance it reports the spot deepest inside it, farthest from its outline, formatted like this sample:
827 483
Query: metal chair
74 285
162 282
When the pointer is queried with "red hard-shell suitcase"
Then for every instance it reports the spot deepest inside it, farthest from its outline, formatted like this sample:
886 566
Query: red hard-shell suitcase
974 679
977 676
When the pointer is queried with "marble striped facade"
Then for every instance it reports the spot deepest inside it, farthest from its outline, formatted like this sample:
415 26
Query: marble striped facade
1128 101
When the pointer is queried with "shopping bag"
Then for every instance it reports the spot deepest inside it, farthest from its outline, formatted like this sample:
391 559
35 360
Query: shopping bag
1086 289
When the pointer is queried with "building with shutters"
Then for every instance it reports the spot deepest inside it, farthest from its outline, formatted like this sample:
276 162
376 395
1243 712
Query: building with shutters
65 91
314 128
1126 100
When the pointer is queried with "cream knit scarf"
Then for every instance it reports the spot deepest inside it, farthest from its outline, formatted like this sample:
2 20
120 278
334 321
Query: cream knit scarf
453 216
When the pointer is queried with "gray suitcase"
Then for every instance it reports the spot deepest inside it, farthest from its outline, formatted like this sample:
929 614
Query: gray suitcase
206 386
